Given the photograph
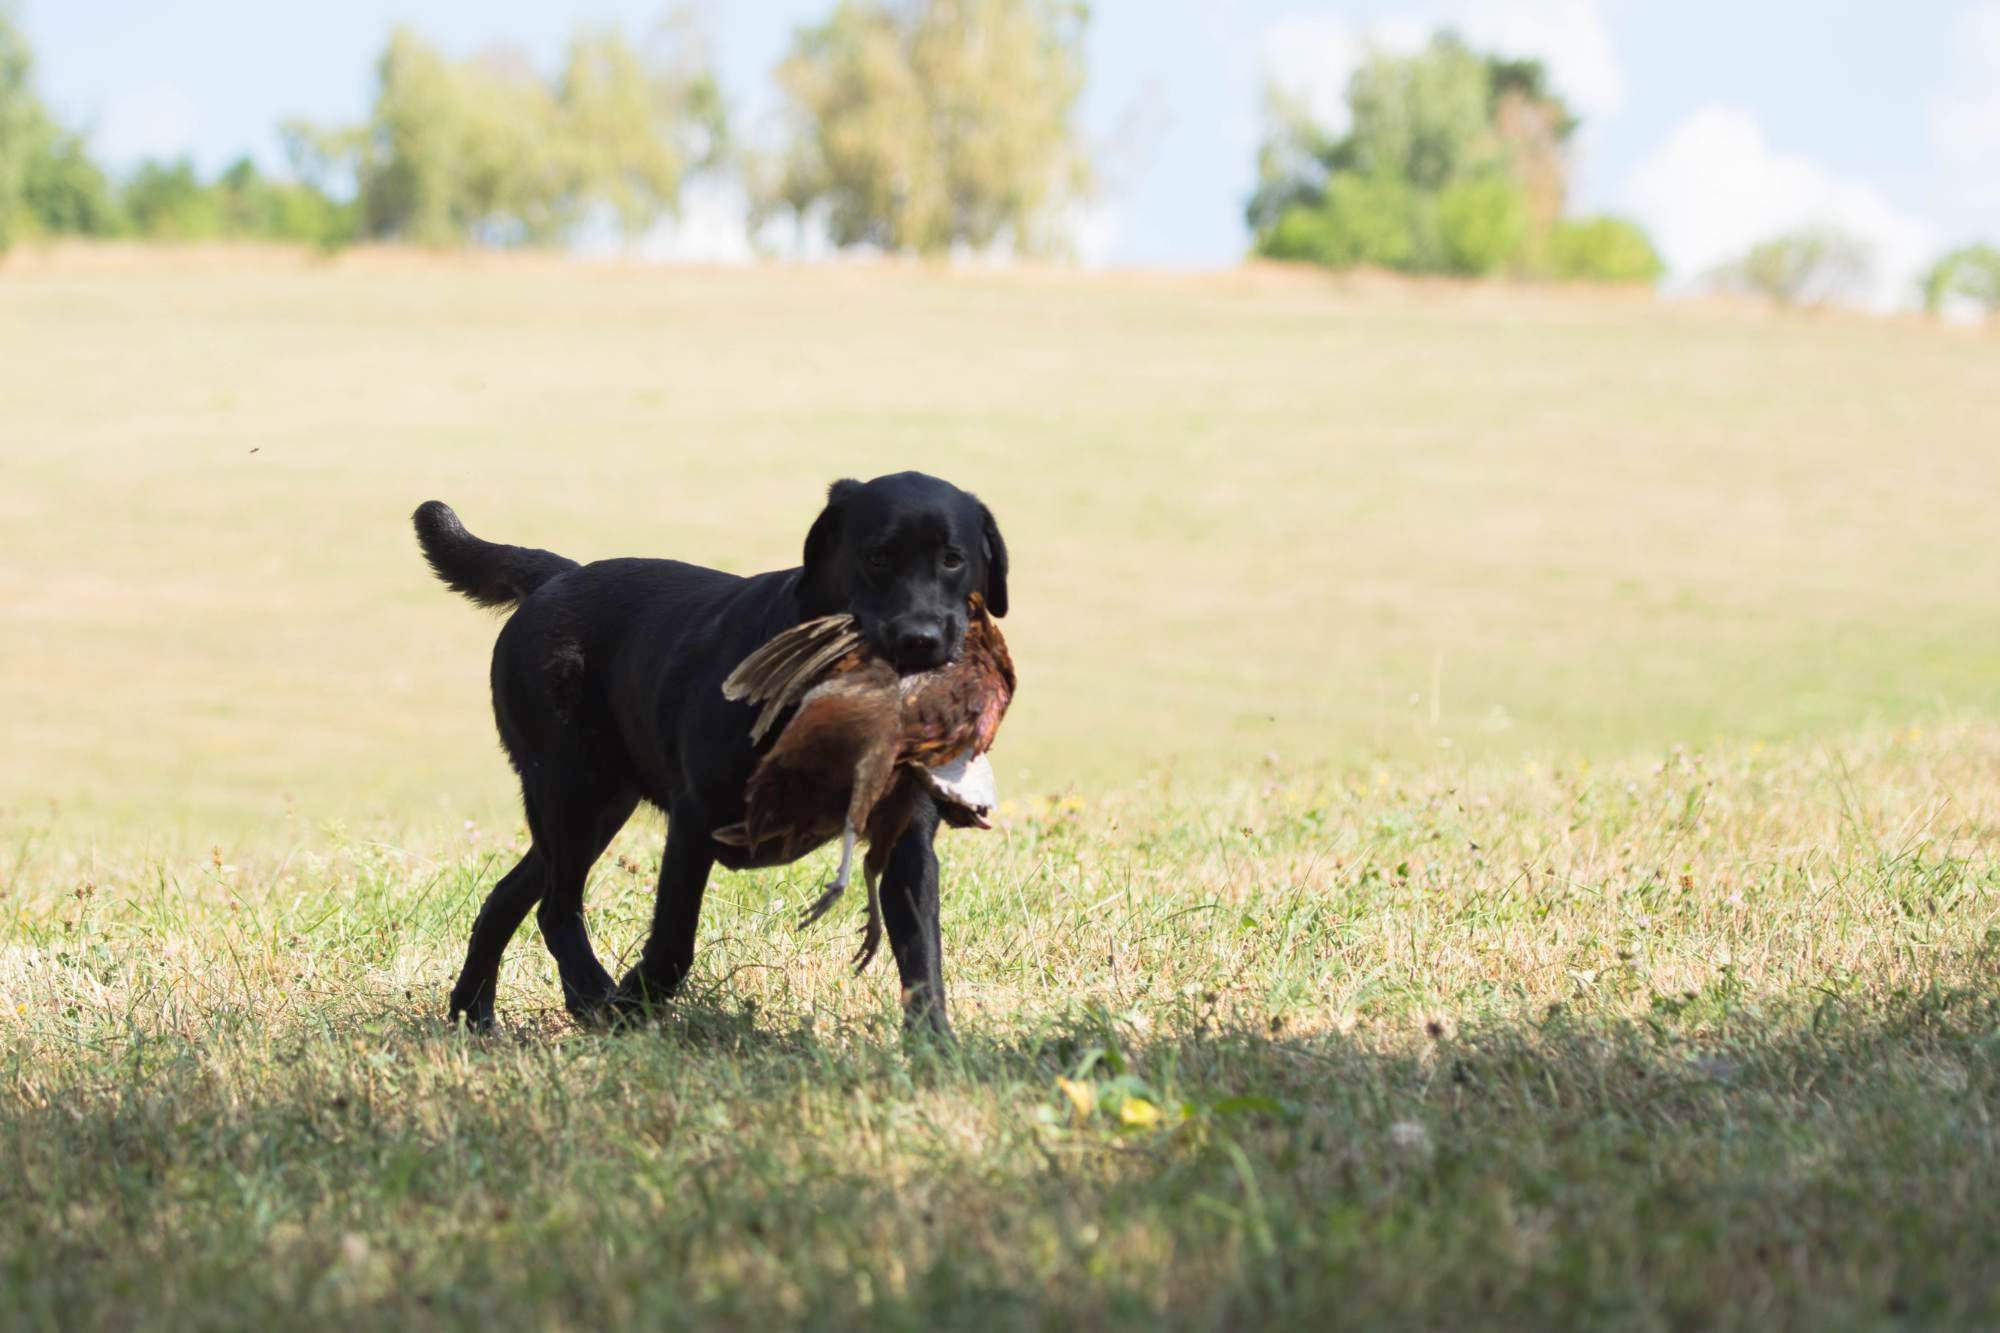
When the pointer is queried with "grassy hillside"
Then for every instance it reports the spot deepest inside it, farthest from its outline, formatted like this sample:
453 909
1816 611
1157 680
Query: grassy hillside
1502 811
1251 514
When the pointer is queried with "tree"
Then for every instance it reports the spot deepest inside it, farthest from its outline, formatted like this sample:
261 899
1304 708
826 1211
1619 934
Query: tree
1807 267
1534 128
1361 220
1603 249
64 192
485 150
1425 119
638 130
923 125
167 201
1454 162
1461 153
48 183
1482 223
1424 122
23 126
1970 274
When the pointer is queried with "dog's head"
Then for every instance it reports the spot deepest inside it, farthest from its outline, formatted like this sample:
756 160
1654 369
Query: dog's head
902 554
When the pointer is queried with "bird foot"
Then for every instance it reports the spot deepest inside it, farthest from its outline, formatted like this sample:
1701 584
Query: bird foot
871 940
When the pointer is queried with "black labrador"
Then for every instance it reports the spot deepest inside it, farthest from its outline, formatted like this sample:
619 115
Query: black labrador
607 686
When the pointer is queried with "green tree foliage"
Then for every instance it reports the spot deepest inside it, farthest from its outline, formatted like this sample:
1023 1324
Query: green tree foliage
1970 274
1603 249
251 204
49 186
486 150
23 127
1362 220
169 201
1482 223
66 193
1455 162
48 183
1426 120
1808 267
923 125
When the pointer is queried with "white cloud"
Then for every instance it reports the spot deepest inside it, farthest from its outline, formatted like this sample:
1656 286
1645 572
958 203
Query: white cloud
1715 187
1568 36
1965 122
1311 56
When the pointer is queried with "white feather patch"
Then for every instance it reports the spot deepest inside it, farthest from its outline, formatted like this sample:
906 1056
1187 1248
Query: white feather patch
967 782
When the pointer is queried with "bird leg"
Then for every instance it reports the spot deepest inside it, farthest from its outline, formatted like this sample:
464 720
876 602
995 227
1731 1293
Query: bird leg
871 934
824 903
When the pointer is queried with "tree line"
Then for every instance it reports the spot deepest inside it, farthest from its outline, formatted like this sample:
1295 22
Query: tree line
918 126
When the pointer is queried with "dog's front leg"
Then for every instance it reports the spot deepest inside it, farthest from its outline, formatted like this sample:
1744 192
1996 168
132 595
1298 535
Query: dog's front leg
669 950
910 911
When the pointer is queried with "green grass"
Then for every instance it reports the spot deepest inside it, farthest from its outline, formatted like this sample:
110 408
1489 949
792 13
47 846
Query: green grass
1706 1042
1501 823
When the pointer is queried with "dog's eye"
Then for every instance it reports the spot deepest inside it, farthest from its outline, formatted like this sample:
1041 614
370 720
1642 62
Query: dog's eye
951 562
876 562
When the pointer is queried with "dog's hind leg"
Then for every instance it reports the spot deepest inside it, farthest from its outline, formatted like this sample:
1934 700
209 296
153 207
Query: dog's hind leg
574 833
501 915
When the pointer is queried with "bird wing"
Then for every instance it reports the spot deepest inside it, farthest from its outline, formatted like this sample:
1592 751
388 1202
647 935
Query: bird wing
778 674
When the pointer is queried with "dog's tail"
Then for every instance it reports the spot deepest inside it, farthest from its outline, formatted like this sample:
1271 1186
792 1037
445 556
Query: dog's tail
489 573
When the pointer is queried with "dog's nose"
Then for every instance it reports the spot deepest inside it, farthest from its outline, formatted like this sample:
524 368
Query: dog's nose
919 647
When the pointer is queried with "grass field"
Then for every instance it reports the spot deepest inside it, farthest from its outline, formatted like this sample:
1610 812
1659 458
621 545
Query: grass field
1504 802
1251 514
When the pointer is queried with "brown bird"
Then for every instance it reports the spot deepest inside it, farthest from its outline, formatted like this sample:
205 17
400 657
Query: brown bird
866 745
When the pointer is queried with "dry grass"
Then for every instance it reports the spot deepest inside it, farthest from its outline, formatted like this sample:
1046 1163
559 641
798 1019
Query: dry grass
1251 513
1503 815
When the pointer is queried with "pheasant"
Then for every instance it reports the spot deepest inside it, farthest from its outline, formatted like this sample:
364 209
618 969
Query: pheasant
866 746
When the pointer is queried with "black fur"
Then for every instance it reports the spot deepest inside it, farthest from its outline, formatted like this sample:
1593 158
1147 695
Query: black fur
607 691
487 572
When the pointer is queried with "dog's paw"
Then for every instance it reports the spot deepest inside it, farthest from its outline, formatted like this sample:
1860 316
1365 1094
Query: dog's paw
633 1002
473 1010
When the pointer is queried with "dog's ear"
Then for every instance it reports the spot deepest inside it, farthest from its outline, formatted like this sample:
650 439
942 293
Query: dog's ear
993 552
822 542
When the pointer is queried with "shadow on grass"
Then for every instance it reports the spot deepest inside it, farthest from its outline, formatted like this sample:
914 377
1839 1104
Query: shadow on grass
1715 1161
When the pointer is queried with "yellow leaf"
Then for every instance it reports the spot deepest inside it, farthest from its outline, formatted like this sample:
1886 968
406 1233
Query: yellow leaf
1138 1113
1082 1096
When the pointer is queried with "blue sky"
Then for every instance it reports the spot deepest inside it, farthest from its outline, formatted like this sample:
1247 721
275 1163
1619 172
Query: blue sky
1713 122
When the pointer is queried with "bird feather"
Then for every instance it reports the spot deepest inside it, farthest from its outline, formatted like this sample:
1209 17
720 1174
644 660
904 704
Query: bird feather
779 674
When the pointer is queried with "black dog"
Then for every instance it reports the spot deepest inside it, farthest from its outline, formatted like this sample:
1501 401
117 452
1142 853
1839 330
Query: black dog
607 686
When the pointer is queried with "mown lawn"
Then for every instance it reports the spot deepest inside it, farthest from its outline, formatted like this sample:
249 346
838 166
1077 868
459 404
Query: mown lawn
1700 1039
